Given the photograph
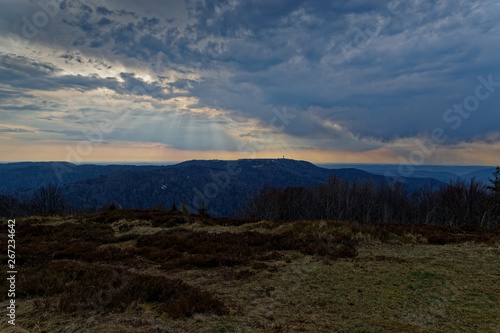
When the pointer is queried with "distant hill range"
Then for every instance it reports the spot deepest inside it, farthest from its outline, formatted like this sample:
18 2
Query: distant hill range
224 186
444 173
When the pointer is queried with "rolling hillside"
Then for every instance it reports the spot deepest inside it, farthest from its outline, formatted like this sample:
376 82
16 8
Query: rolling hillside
224 186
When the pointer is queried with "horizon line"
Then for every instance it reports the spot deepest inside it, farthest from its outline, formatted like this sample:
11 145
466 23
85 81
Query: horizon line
241 159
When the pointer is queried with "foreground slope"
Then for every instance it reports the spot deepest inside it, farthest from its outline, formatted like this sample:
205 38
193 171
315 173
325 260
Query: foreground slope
160 271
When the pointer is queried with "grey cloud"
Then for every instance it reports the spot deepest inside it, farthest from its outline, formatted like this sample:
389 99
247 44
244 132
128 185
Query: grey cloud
103 11
253 56
5 129
20 72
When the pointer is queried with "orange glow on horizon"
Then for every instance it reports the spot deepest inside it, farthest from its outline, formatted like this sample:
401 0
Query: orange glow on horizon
151 153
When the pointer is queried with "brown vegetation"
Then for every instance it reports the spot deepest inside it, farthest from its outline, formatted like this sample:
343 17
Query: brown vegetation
101 264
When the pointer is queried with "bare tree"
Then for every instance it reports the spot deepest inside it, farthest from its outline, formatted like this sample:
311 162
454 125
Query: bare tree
49 201
458 203
10 206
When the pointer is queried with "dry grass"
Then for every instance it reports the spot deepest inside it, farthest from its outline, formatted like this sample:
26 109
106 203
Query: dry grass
154 271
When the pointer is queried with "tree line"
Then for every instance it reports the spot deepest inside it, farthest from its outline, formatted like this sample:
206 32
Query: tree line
50 200
47 200
457 203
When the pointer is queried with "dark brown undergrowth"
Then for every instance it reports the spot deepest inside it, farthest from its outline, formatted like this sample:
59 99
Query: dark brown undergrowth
83 287
181 248
99 233
158 216
43 243
436 235
76 267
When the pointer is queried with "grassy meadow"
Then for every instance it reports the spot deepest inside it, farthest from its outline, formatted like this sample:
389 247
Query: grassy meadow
162 271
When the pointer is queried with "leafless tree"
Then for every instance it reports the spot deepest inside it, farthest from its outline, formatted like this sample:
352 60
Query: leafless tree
49 201
458 203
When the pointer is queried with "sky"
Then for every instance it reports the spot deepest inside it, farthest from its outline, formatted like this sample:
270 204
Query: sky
358 81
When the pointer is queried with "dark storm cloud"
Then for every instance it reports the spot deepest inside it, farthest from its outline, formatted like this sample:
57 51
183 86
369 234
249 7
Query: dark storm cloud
379 70
20 72
389 91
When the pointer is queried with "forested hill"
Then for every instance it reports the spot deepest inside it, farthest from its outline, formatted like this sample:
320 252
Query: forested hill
224 186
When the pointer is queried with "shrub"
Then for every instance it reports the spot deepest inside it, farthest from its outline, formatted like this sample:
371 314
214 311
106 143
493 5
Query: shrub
104 289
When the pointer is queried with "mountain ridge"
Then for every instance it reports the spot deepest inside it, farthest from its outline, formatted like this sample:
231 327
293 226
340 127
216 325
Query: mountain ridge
225 186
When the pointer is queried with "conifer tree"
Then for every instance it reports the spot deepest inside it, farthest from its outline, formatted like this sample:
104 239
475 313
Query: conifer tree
495 181
184 208
202 210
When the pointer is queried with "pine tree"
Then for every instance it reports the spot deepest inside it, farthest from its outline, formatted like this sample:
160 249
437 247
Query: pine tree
495 188
184 208
174 207
202 210
112 207
495 182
